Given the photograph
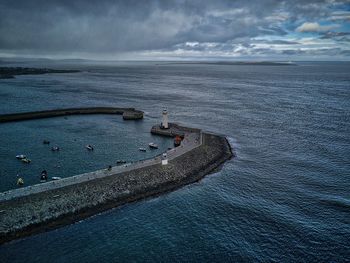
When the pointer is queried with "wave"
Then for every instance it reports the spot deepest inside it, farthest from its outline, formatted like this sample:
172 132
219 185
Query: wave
234 145
341 204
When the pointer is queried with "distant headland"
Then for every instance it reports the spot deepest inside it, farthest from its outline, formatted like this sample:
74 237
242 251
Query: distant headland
11 72
239 63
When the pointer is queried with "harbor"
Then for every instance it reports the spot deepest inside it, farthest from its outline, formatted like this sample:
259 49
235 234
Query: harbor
192 141
67 200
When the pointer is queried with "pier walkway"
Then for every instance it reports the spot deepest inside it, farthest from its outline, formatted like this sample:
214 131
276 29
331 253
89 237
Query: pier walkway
192 139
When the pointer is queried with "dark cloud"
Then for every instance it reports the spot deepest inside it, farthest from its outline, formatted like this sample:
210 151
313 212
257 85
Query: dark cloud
345 52
277 42
114 27
334 35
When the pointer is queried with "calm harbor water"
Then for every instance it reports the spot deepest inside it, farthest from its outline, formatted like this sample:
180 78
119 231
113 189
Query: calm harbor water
284 198
112 138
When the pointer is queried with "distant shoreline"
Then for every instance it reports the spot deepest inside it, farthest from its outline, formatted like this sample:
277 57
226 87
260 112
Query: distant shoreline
237 63
11 72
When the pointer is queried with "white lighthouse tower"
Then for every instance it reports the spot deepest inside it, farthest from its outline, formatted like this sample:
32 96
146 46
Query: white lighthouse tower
165 124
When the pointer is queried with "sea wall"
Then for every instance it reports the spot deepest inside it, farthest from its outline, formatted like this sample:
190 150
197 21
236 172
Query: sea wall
46 210
173 130
128 113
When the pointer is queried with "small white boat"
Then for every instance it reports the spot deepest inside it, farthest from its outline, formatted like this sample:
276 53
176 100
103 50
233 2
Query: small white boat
55 149
56 178
21 156
152 145
89 147
20 181
26 160
142 149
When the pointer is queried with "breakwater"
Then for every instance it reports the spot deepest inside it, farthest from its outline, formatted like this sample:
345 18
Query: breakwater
128 113
46 206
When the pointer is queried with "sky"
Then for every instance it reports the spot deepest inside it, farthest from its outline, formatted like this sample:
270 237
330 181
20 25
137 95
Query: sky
258 30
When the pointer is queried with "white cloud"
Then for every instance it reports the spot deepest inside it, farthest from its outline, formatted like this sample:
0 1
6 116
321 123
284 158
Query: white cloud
315 27
192 44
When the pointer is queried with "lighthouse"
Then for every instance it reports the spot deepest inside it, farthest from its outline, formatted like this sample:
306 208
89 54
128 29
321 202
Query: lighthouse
165 124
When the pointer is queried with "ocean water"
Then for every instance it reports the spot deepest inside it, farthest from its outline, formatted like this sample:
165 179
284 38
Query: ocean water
284 198
112 138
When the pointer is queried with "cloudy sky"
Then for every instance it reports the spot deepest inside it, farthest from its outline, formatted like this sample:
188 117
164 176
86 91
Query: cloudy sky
162 29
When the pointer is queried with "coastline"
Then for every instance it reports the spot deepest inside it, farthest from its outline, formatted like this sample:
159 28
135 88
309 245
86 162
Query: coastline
11 72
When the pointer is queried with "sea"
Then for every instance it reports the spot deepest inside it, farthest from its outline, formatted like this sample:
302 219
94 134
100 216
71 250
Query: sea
285 197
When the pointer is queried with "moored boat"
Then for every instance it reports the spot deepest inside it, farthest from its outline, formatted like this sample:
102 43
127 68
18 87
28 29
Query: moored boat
20 181
142 149
152 145
43 177
177 141
55 148
21 156
89 147
26 160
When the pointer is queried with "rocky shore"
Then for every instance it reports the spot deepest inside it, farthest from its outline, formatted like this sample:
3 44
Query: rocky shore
10 72
47 210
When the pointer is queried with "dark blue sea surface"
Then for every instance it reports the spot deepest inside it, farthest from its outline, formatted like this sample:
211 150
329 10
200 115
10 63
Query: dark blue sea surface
284 198
112 139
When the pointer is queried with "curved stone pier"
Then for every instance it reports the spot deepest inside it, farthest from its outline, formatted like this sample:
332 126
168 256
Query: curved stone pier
42 207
